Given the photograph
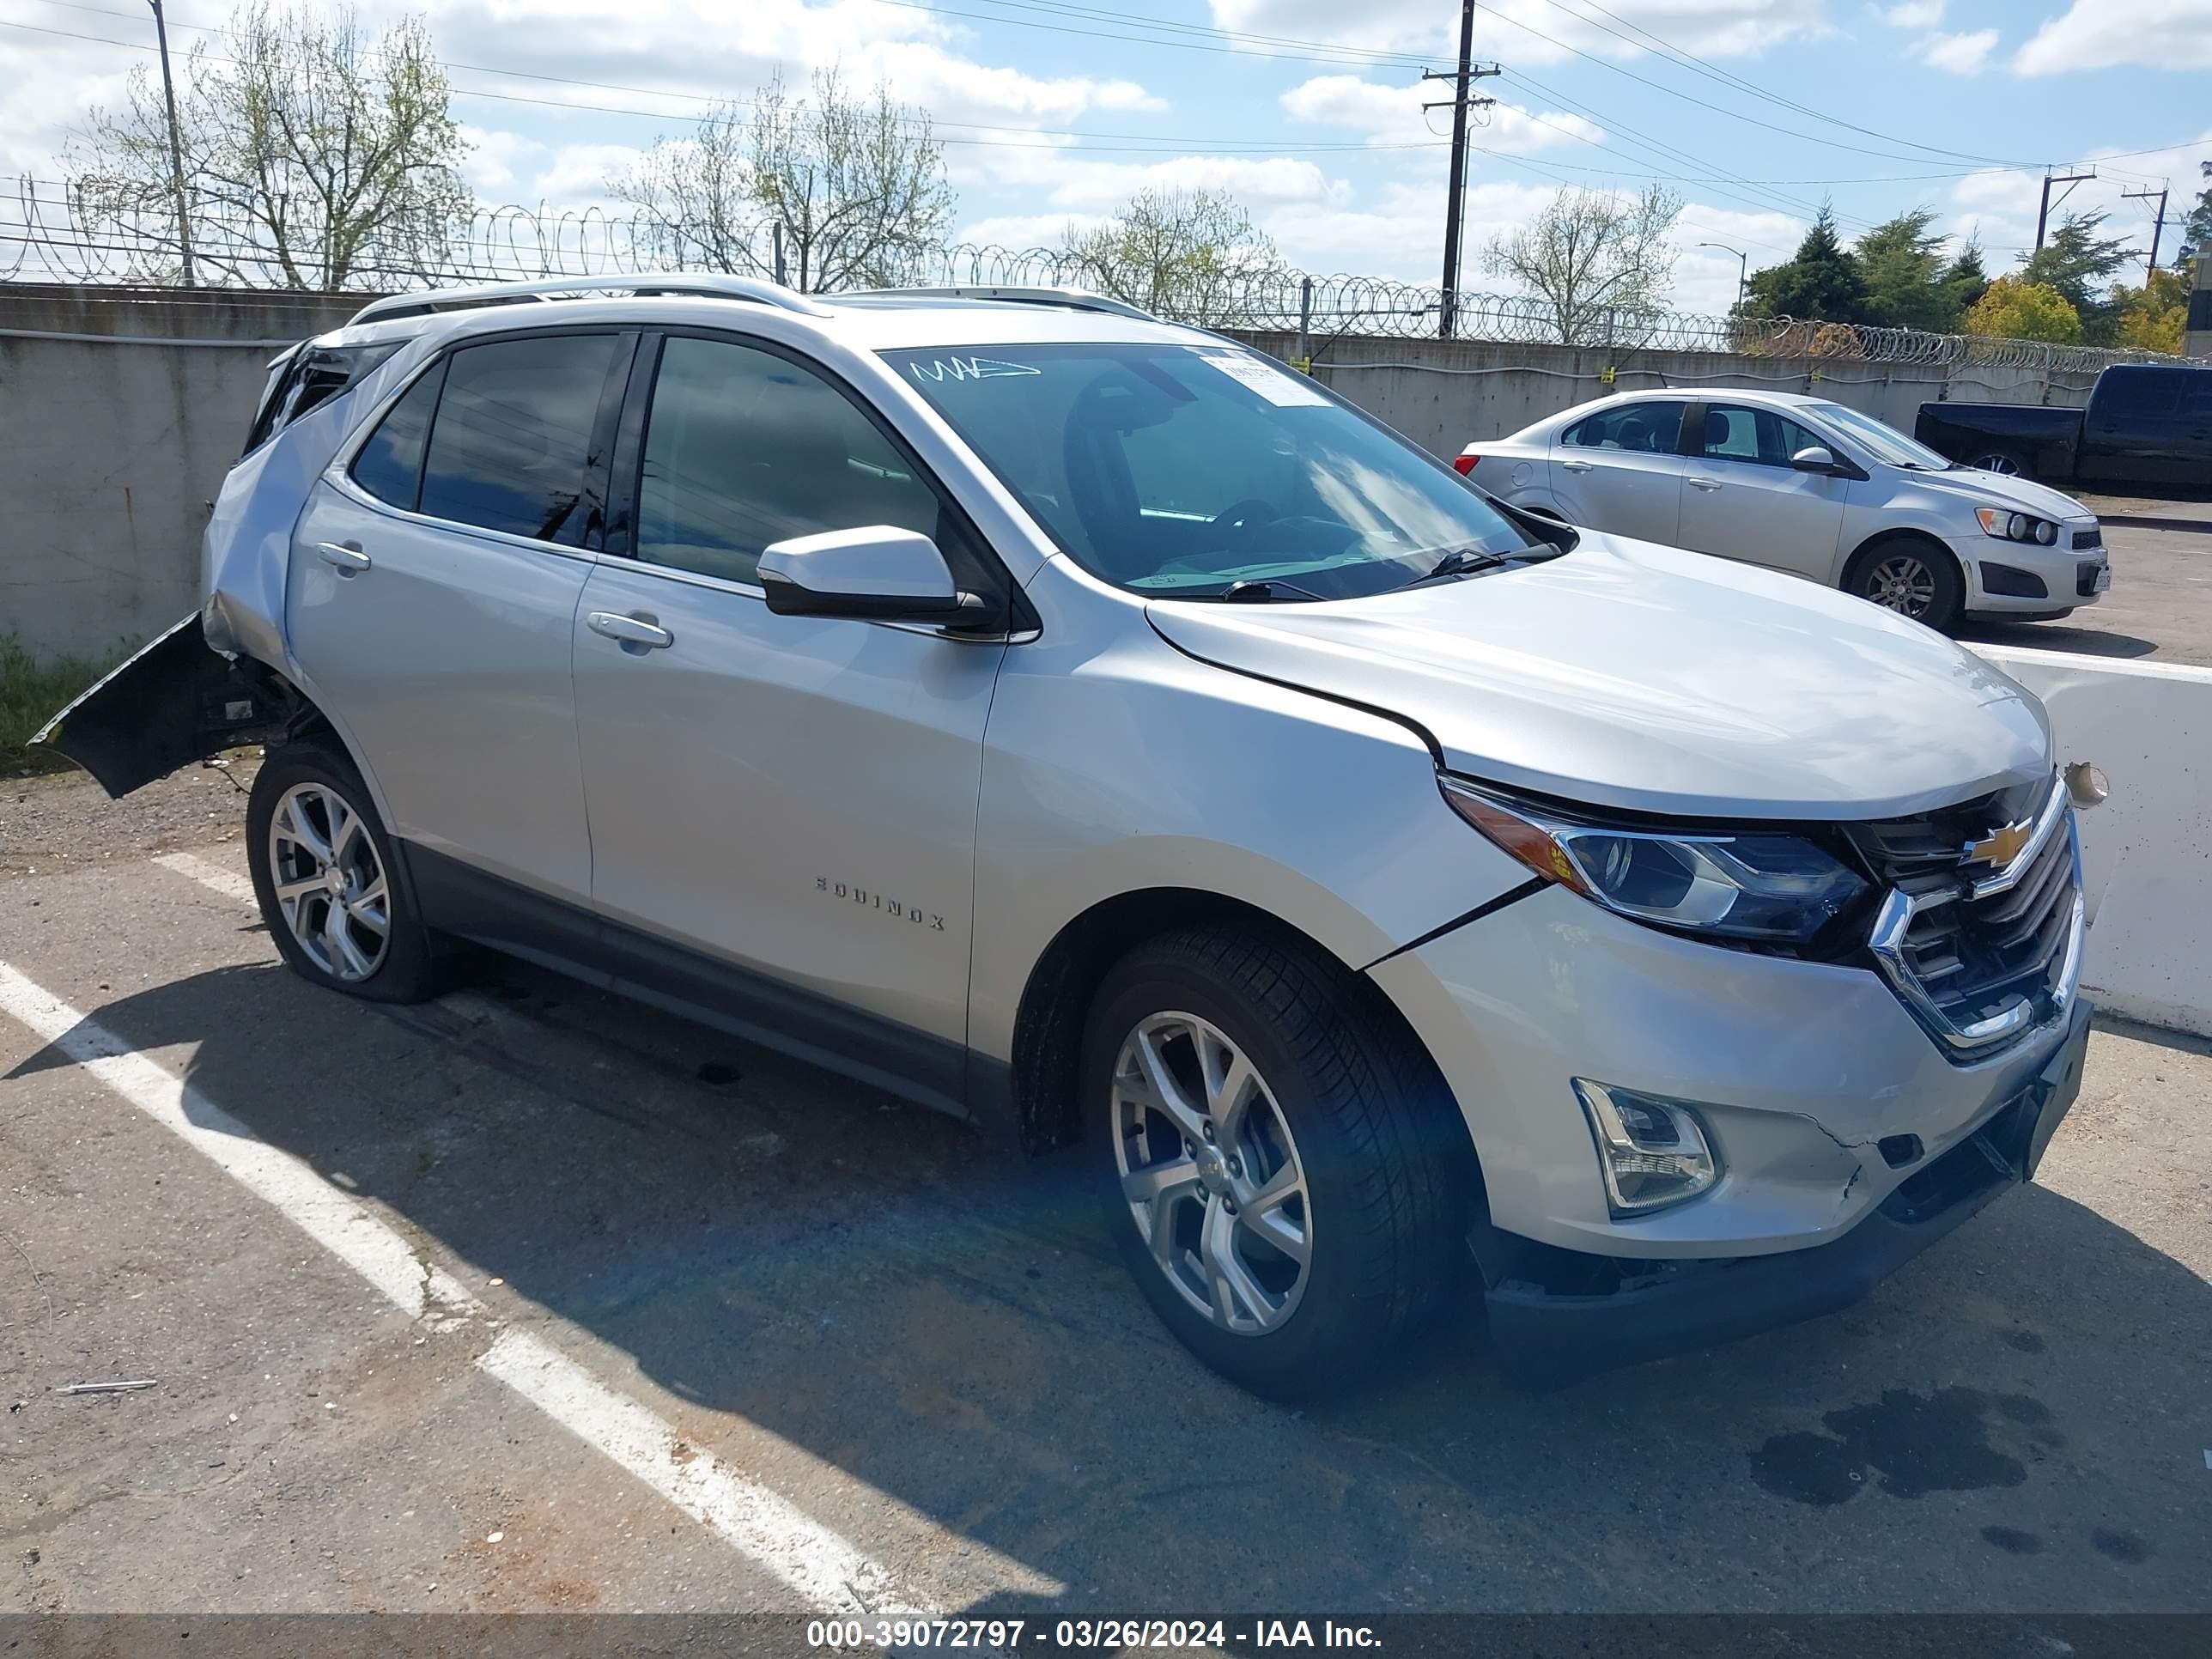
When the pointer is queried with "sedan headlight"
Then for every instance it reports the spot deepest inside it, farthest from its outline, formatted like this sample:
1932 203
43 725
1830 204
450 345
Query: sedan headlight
2016 527
1755 887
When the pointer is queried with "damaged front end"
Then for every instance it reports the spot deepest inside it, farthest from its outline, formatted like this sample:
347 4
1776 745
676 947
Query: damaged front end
175 702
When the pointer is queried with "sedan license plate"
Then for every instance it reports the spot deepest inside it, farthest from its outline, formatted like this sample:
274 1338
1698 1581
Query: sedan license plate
2104 580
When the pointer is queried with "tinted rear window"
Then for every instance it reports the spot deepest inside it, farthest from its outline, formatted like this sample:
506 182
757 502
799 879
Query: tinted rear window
2141 390
390 464
511 447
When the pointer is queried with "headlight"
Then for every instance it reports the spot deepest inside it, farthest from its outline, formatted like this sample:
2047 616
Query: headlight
2016 527
1769 889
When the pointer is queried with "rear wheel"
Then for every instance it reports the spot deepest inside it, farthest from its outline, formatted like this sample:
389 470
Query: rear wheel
334 898
2010 463
1286 1177
1911 577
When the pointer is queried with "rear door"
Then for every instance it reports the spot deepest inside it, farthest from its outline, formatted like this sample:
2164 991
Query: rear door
1617 470
789 801
433 588
1741 499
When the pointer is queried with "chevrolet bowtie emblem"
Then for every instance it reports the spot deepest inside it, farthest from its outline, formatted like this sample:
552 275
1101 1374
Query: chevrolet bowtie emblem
2000 847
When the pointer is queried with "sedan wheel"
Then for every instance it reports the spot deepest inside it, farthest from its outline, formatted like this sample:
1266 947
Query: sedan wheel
1903 583
1211 1174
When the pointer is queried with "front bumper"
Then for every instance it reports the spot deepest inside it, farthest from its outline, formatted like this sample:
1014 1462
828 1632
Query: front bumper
2023 579
1543 1336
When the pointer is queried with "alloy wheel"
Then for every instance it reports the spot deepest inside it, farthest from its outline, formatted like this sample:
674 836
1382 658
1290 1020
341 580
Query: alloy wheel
1998 462
330 884
1211 1173
1903 583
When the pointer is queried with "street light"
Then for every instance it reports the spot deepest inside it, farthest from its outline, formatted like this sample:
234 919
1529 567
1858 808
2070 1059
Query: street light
176 146
1743 267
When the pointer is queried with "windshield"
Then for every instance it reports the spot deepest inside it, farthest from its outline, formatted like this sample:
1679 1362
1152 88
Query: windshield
1884 442
1178 470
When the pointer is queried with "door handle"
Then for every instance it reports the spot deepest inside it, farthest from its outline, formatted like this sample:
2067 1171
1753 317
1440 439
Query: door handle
1701 483
345 557
641 632
1578 466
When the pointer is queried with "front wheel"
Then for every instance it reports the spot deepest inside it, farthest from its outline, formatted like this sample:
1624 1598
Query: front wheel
1910 577
1286 1177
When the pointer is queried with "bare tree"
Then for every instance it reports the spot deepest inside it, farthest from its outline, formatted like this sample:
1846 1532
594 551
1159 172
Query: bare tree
857 185
1600 259
1194 257
313 156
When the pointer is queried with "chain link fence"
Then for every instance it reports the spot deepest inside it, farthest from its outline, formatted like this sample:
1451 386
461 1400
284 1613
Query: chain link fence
51 233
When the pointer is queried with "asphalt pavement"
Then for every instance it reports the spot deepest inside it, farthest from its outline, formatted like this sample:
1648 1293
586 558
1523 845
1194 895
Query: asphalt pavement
532 1300
2159 607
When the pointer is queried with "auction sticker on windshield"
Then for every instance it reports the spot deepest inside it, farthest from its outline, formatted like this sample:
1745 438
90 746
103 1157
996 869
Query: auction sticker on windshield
1277 385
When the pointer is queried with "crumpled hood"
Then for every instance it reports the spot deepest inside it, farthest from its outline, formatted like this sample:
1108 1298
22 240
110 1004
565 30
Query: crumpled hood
1643 677
1995 489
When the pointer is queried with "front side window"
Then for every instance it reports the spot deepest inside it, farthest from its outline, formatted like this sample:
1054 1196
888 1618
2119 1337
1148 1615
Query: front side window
511 447
1646 429
744 448
1758 436
1180 470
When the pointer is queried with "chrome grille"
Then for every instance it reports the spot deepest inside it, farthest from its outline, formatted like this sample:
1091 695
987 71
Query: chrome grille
1979 951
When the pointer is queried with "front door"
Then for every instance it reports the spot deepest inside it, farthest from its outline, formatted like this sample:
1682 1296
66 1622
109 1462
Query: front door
1741 499
432 592
787 801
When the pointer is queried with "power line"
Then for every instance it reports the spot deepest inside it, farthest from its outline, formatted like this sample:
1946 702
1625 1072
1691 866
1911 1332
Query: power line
1712 71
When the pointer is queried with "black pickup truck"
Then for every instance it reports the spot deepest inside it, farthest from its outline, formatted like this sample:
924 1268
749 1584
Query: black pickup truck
2146 423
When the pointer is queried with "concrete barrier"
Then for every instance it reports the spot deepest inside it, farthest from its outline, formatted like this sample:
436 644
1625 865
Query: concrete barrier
2146 853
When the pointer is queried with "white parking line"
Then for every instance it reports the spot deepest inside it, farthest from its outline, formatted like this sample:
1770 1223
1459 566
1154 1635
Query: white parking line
228 883
827 1570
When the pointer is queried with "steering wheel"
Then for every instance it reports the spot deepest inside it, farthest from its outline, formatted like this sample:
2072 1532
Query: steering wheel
1246 516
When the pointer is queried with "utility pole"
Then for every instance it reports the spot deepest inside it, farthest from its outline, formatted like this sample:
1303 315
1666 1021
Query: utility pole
2042 213
176 147
1466 77
2158 225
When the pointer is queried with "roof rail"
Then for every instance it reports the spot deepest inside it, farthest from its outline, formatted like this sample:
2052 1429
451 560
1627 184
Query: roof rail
702 285
1075 299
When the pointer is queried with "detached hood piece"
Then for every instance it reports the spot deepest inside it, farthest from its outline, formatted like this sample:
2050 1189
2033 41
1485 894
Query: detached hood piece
1645 679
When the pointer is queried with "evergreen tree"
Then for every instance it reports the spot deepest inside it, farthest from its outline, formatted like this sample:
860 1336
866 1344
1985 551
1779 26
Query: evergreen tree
1822 283
1902 261
1967 279
2076 262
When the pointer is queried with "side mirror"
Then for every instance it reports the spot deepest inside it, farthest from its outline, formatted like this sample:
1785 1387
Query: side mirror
1815 457
877 571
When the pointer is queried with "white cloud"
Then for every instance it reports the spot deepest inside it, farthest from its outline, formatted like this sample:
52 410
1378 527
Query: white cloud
1913 15
1535 32
1023 230
2106 33
1394 115
1959 54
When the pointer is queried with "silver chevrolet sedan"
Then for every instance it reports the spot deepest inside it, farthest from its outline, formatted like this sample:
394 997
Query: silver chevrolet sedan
1807 486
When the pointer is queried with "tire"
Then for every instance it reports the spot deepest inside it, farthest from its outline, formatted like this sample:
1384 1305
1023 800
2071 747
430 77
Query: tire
303 789
2007 463
1352 1107
1912 577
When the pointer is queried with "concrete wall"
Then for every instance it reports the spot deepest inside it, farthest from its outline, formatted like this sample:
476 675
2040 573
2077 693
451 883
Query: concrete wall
2146 853
110 450
1445 394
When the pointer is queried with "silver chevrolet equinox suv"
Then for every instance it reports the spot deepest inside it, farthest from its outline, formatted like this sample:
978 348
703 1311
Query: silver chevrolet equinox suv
1091 727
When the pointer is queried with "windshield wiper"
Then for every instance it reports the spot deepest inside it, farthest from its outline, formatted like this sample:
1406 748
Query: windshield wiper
1465 560
1258 590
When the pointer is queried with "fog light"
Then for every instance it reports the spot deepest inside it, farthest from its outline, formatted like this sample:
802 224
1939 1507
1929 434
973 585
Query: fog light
2085 784
1652 1151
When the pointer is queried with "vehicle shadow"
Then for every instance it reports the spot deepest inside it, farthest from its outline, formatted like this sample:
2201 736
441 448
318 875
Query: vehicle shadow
2056 637
2012 1422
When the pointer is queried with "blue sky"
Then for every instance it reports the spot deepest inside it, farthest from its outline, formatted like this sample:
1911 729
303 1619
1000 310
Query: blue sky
1055 110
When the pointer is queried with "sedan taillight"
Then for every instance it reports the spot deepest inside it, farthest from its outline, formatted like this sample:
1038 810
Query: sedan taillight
1465 461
